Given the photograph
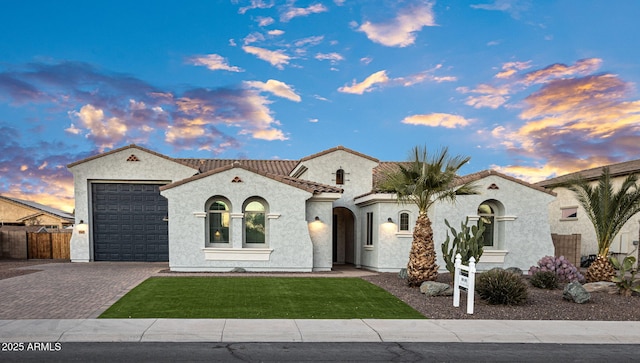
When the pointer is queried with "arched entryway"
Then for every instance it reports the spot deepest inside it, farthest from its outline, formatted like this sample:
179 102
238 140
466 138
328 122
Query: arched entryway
343 236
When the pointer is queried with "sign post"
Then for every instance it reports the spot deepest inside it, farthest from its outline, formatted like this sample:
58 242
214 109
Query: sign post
467 282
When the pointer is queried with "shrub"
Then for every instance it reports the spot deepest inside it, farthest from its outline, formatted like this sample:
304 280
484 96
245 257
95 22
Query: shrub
500 287
565 271
544 280
626 284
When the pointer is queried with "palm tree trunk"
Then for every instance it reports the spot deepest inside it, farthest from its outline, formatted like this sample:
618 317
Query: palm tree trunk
600 270
422 259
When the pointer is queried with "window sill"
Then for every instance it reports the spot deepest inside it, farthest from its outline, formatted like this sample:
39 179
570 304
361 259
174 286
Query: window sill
568 219
237 254
368 247
404 234
493 256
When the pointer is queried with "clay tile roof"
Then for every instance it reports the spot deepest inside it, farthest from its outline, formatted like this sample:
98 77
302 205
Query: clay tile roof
309 186
485 173
619 169
275 167
385 168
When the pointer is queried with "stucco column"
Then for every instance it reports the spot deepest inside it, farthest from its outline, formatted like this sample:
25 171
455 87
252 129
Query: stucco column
236 230
79 245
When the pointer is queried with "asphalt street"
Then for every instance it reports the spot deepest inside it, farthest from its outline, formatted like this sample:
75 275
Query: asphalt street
324 352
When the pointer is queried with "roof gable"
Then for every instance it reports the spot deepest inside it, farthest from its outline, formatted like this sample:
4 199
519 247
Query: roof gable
485 173
338 148
132 146
306 185
388 167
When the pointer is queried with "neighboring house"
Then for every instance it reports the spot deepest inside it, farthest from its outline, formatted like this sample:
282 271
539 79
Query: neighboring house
18 212
283 215
566 216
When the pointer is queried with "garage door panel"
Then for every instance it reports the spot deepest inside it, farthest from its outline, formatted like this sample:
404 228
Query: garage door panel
128 222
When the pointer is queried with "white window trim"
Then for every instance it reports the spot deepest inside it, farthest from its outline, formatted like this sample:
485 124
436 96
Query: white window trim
237 254
408 231
571 218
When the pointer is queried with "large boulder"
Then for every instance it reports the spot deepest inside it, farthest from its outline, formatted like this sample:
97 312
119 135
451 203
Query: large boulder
432 288
601 286
575 292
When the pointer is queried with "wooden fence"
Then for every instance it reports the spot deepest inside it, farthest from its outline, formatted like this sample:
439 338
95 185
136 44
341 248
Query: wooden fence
13 244
29 245
567 245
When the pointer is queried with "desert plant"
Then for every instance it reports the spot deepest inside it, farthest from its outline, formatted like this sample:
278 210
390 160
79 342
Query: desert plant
626 285
544 280
564 270
468 243
425 180
500 287
609 211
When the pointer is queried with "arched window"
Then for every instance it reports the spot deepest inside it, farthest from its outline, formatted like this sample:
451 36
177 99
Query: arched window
488 217
218 221
404 222
255 227
339 176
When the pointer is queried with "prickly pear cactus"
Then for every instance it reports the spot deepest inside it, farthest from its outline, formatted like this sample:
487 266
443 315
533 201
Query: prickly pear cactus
468 243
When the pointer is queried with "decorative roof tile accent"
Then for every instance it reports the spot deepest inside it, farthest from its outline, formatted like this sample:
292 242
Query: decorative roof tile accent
132 146
236 180
132 157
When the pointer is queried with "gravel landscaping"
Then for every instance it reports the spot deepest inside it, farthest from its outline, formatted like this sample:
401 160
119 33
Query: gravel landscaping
541 305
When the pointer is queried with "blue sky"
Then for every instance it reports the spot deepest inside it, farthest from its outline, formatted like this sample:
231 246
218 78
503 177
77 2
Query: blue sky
533 89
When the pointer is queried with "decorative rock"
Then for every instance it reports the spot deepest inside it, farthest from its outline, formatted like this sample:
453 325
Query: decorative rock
601 286
238 269
515 270
403 274
432 288
575 292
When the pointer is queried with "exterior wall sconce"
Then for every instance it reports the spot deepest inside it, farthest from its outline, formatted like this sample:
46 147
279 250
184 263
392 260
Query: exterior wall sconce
82 227
389 220
317 219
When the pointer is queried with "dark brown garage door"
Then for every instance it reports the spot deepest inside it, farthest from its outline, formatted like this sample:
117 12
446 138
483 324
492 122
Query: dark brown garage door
128 222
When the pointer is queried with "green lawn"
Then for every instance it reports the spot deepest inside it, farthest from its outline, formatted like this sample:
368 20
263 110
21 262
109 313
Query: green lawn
259 298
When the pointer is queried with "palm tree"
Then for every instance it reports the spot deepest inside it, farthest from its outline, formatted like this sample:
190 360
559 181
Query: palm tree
608 211
424 181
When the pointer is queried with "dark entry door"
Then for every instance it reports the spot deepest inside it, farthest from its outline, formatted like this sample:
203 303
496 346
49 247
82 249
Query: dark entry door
129 222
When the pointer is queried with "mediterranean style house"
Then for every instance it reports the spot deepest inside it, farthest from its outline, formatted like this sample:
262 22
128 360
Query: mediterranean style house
566 215
133 204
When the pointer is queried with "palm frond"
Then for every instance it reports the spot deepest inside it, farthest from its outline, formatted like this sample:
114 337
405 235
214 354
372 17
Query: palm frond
607 209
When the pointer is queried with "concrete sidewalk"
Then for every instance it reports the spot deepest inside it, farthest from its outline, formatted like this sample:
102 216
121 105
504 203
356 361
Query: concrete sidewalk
309 330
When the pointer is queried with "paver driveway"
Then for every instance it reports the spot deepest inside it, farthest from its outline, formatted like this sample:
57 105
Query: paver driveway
71 290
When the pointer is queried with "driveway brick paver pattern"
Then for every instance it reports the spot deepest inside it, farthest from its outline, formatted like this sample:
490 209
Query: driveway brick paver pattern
71 290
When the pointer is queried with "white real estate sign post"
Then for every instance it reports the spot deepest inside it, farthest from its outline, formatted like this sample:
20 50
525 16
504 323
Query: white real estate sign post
467 282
